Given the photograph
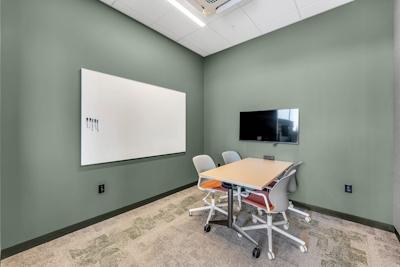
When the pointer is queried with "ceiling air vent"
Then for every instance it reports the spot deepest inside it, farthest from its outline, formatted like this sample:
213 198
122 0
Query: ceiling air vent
210 7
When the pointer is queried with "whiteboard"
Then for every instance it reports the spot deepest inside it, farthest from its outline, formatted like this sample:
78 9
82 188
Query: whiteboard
123 119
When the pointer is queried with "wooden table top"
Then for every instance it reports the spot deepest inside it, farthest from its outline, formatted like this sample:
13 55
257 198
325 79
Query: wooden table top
250 172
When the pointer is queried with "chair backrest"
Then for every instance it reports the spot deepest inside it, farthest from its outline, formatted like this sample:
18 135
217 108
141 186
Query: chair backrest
279 193
203 163
230 156
292 187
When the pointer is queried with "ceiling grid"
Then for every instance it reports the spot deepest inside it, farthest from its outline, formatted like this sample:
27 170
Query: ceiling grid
243 21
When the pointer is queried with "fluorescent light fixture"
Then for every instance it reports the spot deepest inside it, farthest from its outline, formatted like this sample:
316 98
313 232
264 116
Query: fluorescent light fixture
185 11
227 5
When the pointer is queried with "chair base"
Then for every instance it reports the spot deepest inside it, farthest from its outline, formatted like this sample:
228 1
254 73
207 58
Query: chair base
302 213
270 226
212 207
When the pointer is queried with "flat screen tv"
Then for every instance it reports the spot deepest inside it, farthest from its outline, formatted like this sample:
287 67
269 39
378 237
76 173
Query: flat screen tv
277 126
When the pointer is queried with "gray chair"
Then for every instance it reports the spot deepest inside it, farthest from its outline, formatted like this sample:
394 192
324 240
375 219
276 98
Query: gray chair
230 157
272 202
292 187
204 163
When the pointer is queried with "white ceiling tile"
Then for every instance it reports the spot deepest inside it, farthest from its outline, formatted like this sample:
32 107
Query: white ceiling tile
302 3
108 2
281 22
206 19
249 19
269 15
147 10
207 40
169 32
235 27
321 6
188 44
177 23
137 15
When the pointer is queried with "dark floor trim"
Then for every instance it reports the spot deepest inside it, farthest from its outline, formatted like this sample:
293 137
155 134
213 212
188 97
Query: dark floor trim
72 228
397 233
345 216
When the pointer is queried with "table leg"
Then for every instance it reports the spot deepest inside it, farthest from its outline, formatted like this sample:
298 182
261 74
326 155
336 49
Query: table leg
230 207
229 222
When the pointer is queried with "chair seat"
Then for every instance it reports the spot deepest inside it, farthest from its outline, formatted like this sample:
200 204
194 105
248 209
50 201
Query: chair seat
213 184
258 201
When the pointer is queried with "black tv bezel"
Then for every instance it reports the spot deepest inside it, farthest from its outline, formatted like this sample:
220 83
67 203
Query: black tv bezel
273 142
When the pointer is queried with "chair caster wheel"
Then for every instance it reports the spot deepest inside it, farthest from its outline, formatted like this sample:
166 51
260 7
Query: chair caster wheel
286 226
303 248
256 252
271 255
207 228
308 219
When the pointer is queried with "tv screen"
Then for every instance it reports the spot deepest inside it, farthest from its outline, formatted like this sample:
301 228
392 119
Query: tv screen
278 126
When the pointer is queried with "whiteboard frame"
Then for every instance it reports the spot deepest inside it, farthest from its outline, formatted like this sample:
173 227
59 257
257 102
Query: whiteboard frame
150 155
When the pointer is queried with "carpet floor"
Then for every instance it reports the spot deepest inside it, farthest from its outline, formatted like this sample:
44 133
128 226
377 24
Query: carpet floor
162 234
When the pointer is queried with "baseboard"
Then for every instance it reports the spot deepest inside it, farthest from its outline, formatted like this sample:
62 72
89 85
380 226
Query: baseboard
397 233
5 253
345 216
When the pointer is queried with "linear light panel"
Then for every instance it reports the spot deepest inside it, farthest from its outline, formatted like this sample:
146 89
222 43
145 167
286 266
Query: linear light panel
185 11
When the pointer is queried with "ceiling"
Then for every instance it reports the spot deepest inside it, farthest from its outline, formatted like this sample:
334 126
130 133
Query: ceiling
245 21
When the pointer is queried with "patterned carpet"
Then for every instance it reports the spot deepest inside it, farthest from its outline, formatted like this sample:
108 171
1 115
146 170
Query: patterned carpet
162 234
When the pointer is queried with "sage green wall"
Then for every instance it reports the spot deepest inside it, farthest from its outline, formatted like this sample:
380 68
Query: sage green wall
337 68
0 127
396 159
45 43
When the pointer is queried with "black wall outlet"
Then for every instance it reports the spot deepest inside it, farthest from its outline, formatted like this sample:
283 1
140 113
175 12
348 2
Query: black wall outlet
102 188
348 188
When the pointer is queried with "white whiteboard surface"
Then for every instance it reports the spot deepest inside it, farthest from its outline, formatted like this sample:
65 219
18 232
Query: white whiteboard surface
123 119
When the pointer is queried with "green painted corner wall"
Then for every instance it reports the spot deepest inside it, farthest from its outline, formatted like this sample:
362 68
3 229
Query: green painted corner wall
44 45
396 155
337 68
0 126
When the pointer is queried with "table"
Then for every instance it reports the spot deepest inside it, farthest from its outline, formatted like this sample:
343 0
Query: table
252 173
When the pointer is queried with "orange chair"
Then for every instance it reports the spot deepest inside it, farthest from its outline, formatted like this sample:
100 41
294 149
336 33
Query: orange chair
204 163
272 202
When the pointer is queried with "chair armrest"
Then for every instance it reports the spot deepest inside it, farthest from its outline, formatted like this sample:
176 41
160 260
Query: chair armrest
244 194
261 195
